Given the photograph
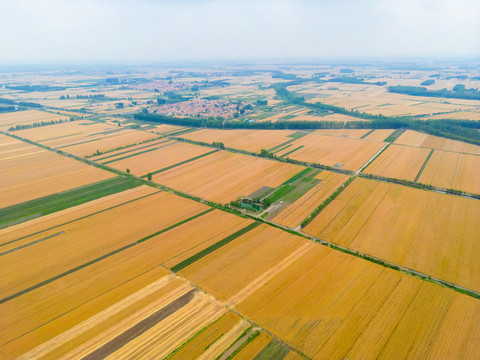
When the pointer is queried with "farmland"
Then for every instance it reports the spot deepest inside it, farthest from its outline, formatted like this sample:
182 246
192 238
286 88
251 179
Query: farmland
345 153
268 211
29 172
224 176
374 217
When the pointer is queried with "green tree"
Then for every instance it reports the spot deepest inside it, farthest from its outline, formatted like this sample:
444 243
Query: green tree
149 176
128 171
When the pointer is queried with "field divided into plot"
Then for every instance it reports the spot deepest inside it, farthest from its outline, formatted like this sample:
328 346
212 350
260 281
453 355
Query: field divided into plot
445 169
224 176
59 201
328 304
79 242
84 138
413 138
292 214
29 172
153 159
429 232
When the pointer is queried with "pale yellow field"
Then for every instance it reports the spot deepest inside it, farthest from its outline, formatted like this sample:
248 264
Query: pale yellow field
107 142
27 117
379 135
334 151
453 170
462 115
330 305
167 154
400 162
29 172
295 213
429 232
250 140
414 138
351 133
224 176
254 347
341 117
67 246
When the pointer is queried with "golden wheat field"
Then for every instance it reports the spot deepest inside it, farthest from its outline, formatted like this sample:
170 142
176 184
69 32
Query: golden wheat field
27 117
88 238
400 162
429 232
414 138
333 151
29 172
452 170
249 140
329 305
151 159
224 176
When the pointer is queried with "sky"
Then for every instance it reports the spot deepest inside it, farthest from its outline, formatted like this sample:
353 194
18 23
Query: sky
125 31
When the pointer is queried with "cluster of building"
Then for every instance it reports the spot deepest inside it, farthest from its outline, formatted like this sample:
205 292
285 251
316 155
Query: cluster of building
203 108
163 86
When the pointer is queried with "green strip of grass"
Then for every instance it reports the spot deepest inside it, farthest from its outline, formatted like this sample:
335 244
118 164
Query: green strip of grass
298 176
423 166
394 136
298 134
48 204
241 347
282 148
181 163
368 133
212 248
291 151
274 350
282 145
279 193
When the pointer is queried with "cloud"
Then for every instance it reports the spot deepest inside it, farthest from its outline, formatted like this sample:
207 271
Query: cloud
148 30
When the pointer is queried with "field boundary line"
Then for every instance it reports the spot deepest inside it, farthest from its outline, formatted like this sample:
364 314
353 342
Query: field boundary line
423 165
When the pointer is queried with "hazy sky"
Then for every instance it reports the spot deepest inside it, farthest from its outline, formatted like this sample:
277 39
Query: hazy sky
149 30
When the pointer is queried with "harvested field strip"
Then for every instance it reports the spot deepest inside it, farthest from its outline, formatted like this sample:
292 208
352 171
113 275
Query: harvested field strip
80 218
211 341
253 346
78 143
253 334
34 208
140 328
291 151
115 153
181 163
84 265
214 247
423 166
368 133
274 350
